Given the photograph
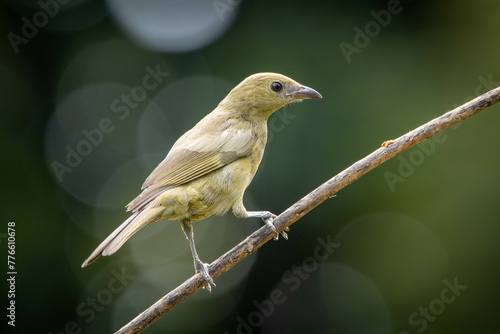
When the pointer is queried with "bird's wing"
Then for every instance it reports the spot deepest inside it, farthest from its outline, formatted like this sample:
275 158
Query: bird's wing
201 157
198 157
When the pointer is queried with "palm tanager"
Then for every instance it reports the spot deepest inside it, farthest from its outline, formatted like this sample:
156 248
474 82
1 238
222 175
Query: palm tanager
209 167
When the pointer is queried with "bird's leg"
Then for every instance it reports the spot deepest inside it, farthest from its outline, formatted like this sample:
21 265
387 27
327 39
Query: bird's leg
199 266
268 218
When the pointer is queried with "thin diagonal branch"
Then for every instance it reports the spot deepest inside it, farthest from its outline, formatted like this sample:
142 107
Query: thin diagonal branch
306 204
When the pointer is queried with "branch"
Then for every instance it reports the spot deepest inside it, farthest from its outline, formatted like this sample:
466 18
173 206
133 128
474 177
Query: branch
253 242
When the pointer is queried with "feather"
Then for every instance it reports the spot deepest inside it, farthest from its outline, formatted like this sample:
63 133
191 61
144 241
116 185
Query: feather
127 229
205 154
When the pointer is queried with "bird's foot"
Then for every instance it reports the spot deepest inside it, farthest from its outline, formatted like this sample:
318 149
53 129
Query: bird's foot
202 268
266 216
269 223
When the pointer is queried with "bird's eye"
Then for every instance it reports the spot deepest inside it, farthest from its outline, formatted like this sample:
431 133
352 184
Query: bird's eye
276 86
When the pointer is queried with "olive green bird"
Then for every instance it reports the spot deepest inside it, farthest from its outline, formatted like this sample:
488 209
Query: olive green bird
209 167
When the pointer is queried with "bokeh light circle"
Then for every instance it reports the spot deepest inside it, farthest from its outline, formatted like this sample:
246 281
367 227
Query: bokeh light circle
353 301
81 141
398 252
173 25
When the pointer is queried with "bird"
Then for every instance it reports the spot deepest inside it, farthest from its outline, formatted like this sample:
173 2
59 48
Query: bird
208 169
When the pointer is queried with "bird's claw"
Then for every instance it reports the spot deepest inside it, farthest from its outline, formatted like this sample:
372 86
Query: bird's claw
269 223
202 268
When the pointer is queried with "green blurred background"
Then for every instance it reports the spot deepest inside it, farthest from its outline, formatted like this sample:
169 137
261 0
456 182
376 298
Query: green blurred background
415 242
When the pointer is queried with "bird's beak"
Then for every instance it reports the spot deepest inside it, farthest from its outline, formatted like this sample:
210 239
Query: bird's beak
305 92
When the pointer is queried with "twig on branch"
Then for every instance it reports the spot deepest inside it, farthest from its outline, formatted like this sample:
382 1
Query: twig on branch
309 202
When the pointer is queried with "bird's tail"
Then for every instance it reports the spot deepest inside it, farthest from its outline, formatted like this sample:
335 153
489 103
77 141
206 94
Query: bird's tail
127 229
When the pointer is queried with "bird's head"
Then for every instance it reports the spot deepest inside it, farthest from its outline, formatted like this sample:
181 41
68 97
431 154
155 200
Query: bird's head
261 94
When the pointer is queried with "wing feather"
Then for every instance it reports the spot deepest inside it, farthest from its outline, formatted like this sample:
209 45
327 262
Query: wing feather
189 162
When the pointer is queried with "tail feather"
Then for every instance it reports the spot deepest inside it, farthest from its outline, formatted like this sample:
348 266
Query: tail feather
127 229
